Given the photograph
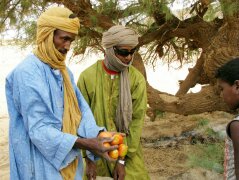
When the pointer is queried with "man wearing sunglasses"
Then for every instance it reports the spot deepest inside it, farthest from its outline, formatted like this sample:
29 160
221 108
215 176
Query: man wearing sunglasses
116 93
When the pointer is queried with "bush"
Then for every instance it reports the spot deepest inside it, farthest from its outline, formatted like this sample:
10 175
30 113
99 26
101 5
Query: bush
208 156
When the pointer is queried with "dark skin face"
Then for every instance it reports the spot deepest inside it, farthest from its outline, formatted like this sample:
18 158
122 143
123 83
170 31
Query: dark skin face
62 40
229 93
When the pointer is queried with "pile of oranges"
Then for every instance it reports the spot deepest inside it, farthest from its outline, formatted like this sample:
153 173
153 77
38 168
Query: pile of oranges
118 139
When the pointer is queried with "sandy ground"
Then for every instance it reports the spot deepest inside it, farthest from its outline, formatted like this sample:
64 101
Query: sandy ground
166 148
165 159
4 158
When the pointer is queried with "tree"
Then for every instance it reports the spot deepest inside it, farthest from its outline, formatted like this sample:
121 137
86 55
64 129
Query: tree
206 31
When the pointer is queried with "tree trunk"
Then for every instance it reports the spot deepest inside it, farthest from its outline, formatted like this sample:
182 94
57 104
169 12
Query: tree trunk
139 64
193 103
206 100
192 78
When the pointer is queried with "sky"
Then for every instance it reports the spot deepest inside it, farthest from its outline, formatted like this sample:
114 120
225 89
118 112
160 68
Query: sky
180 4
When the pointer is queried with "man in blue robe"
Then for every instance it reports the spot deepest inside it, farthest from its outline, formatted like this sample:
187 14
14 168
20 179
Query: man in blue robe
49 119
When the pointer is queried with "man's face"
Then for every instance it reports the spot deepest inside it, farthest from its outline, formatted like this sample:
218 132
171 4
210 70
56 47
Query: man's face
62 40
124 53
230 93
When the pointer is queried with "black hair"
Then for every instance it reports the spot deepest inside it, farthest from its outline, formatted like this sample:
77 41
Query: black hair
229 72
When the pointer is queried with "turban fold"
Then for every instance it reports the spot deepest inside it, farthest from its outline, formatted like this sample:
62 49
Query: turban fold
119 35
51 20
56 18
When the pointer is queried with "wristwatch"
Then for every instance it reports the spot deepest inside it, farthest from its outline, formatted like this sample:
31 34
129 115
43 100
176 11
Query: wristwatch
121 161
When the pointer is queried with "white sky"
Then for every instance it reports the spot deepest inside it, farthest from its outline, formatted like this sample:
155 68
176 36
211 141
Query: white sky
180 4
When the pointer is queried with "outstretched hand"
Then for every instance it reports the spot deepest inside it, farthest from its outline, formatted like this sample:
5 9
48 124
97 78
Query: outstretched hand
98 146
103 150
106 139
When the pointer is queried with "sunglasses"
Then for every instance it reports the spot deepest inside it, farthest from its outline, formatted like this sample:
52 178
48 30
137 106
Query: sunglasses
124 52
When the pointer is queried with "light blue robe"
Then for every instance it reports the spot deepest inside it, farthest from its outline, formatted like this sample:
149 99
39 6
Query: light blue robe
38 148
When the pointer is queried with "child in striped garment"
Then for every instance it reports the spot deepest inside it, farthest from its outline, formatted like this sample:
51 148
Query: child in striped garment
228 82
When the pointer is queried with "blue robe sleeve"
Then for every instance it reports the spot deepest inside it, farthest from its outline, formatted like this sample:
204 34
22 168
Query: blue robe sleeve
43 126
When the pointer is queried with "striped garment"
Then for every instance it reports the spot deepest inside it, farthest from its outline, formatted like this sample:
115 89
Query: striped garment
229 169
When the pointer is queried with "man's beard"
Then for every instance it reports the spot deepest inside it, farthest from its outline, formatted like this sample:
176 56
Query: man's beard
63 51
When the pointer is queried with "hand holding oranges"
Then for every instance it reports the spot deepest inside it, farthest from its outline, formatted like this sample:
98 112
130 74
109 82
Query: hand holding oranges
118 139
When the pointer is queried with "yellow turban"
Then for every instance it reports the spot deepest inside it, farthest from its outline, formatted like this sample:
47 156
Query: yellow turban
119 35
52 19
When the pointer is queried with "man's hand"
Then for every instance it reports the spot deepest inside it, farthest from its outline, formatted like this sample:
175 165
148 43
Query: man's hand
90 169
96 146
119 172
102 150
106 149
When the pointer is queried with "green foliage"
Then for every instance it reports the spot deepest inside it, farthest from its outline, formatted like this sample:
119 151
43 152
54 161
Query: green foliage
19 15
208 156
25 6
94 20
159 114
213 12
30 29
211 133
107 7
203 122
151 7
230 9
148 7
145 16
165 10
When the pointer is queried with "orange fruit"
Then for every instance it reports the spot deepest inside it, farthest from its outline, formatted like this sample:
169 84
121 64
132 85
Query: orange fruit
122 150
118 139
114 154
105 134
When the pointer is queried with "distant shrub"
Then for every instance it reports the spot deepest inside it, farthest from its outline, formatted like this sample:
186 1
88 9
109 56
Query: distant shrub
203 122
208 156
159 114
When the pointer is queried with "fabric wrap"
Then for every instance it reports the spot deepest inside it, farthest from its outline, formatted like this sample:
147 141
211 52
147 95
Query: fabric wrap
117 36
48 22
